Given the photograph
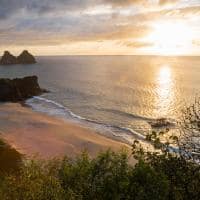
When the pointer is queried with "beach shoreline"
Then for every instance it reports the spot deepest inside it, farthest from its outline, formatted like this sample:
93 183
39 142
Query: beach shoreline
37 134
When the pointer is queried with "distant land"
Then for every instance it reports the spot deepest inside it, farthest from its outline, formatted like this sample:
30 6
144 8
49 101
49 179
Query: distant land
24 58
19 89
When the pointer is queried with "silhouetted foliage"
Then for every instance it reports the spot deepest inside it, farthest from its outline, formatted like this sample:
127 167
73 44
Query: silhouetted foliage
189 140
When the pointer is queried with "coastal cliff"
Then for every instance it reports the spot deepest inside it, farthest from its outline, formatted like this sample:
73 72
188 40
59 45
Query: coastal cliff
19 89
24 58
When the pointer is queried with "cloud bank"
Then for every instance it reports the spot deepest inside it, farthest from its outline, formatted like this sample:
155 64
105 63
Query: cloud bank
57 22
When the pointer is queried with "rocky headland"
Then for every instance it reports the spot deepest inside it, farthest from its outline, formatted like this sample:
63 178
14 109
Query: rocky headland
19 89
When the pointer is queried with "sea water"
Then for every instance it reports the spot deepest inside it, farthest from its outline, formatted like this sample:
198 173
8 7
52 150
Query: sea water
115 95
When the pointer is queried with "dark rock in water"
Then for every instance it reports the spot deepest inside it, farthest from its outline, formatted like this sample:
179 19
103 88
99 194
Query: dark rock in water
162 123
8 59
26 58
19 89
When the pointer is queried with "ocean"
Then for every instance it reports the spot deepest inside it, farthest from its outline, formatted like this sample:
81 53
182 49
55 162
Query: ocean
115 95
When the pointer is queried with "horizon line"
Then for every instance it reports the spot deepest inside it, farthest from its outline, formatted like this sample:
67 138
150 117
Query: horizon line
159 55
184 55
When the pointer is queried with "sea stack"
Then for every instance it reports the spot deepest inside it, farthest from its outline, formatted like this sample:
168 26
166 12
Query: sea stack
19 89
8 59
26 58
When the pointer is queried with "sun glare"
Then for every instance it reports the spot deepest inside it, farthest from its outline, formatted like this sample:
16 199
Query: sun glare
164 76
169 37
164 90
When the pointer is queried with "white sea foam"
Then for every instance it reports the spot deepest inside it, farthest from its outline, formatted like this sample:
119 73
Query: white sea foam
54 108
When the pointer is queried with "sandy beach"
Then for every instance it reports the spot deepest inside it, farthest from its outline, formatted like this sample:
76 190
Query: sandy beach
36 134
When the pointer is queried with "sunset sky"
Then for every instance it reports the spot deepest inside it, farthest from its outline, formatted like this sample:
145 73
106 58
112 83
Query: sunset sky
100 27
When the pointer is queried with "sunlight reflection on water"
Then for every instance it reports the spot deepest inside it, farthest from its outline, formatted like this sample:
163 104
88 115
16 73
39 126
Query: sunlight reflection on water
164 90
119 91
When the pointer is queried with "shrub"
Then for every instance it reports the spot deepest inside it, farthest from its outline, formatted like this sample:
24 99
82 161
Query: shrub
10 159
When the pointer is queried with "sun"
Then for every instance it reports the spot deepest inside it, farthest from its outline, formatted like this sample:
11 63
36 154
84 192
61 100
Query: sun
164 75
169 37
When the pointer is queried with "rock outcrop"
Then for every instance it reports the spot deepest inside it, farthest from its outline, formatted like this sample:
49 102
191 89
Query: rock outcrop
26 58
19 89
8 59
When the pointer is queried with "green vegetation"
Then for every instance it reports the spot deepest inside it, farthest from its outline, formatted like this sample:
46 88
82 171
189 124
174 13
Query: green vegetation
108 176
10 159
171 172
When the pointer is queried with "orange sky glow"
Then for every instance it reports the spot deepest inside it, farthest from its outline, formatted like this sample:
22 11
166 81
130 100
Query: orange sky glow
101 27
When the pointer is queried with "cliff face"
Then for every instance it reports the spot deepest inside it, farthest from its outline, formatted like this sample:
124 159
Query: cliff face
8 59
19 89
24 58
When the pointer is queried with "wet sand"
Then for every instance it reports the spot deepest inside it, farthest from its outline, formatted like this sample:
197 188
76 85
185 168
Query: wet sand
36 134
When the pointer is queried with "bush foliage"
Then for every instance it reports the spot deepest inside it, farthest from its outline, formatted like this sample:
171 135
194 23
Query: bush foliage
162 174
108 176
